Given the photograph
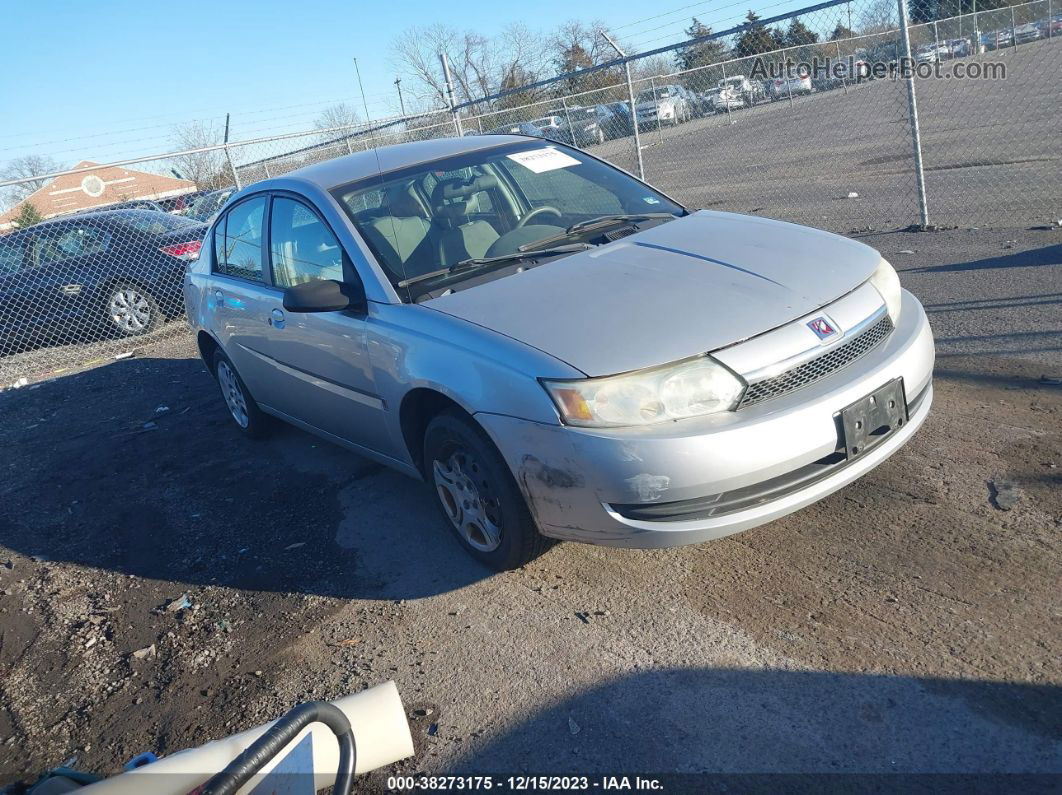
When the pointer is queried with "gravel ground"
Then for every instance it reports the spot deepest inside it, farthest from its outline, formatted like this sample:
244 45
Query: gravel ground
909 623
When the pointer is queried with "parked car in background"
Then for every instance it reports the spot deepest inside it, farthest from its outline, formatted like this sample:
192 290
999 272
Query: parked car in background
615 119
557 348
132 204
1026 33
114 272
927 54
960 48
782 87
518 128
207 205
579 126
550 127
724 99
740 87
663 105
995 39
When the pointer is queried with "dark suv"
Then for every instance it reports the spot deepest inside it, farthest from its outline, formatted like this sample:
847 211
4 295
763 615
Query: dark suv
115 272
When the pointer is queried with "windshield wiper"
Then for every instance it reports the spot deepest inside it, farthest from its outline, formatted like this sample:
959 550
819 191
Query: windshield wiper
474 263
591 224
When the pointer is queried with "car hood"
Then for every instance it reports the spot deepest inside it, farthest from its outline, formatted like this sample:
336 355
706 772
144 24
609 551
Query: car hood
676 290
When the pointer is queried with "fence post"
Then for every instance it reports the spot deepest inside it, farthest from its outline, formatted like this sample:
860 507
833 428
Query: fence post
788 83
936 42
350 149
228 156
634 121
450 94
725 95
1050 20
568 119
844 80
659 124
912 107
630 97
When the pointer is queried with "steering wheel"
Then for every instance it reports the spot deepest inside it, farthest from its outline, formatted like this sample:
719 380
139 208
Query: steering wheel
538 211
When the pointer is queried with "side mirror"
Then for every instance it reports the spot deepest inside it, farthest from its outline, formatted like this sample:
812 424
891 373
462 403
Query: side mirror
324 295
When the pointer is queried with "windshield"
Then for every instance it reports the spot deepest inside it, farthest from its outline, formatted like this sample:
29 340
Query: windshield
504 200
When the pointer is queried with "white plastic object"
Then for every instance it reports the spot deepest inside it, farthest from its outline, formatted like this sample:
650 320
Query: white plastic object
381 735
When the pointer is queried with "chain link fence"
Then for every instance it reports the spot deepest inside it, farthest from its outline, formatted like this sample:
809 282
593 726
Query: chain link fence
805 116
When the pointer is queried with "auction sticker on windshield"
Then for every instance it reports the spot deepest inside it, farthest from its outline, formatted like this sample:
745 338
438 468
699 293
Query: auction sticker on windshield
541 160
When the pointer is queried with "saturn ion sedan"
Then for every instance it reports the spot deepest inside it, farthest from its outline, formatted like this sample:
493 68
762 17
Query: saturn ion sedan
560 350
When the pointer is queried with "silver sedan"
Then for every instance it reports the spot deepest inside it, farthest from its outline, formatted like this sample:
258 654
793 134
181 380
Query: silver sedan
558 349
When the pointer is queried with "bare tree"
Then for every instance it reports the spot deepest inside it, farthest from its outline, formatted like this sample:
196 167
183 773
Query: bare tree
23 168
879 17
338 115
208 170
575 46
480 66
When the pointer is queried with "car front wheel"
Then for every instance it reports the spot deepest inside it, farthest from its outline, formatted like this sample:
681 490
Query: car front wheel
478 495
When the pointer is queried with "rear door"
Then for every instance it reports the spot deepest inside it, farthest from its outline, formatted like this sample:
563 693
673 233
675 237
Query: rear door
320 368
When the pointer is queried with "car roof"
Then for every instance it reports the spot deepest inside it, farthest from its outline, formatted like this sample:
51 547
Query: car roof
341 170
76 218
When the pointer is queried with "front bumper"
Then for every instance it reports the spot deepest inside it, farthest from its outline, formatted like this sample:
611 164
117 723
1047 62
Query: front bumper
766 460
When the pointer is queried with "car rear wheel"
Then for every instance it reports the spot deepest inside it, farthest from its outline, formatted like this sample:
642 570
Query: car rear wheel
132 311
478 495
242 407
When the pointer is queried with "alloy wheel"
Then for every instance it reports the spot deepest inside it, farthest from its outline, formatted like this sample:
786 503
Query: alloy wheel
233 394
130 310
465 493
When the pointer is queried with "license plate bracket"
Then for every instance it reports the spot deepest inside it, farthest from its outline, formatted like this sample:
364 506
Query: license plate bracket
872 419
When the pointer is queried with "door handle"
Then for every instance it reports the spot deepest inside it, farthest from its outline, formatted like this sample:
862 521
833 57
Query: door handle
219 299
276 319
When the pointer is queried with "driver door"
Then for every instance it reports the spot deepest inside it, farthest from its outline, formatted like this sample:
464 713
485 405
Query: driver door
321 373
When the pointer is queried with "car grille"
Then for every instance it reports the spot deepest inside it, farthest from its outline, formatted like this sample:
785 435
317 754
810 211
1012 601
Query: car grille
821 366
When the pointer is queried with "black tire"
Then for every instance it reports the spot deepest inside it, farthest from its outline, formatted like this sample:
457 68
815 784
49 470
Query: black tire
130 310
254 423
453 439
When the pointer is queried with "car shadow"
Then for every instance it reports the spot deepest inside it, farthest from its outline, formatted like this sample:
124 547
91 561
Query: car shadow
817 724
1034 257
137 467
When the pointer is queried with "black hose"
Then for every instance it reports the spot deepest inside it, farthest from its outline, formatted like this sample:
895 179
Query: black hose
239 771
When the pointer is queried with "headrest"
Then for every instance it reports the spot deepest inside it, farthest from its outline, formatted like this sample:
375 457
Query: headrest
402 204
458 188
452 215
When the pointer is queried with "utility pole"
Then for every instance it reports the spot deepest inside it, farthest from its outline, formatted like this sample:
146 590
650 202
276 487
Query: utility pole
450 94
630 96
401 104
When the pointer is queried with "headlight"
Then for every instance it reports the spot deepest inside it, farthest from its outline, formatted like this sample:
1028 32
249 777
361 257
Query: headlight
686 389
887 283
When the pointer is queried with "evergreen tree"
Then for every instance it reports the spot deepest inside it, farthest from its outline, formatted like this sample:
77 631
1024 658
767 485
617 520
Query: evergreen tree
700 54
27 216
841 32
799 35
756 38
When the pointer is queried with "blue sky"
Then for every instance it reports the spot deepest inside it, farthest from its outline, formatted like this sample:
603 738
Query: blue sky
109 79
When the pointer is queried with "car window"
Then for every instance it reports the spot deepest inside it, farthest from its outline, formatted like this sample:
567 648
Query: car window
10 257
302 247
66 243
240 252
154 223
